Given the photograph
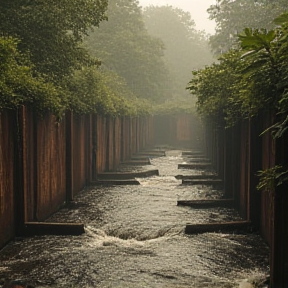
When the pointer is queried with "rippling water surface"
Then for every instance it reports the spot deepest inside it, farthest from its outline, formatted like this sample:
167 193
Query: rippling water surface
135 238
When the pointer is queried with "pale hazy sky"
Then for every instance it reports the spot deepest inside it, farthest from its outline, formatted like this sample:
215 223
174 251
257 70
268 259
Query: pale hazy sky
197 9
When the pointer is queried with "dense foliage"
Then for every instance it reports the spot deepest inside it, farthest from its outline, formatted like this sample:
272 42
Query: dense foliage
52 31
121 69
124 46
249 80
176 107
19 84
185 47
41 48
232 16
44 63
103 92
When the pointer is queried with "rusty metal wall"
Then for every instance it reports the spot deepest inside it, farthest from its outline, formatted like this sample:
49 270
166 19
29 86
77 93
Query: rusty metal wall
53 160
255 164
102 144
244 171
50 166
274 208
82 151
144 128
279 251
209 141
29 145
104 148
151 131
142 133
89 154
279 246
126 138
245 153
7 227
267 210
111 144
117 139
268 160
78 155
162 129
173 130
133 135
183 128
44 164
247 158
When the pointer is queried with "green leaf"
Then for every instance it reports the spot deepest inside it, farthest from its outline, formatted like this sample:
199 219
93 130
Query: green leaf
282 19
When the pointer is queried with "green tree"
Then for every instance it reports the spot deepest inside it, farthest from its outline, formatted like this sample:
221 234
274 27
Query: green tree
104 92
266 59
123 45
19 84
52 31
249 79
232 16
217 88
185 47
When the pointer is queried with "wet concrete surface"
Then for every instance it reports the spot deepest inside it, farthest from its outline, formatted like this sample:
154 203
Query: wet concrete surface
134 237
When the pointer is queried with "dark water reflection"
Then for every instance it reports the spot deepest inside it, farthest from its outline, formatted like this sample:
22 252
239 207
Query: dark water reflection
134 238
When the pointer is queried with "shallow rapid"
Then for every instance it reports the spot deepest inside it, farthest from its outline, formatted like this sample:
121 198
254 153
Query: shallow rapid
134 237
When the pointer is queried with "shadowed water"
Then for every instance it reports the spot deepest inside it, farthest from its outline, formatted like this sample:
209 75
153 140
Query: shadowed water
134 238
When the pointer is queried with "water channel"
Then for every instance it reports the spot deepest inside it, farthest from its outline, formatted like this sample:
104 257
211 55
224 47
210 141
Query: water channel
134 237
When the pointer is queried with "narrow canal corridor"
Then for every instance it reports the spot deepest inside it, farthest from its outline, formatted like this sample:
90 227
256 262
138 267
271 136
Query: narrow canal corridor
134 237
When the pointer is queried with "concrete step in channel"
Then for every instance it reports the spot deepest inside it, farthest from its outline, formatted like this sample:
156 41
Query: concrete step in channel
197 177
135 162
192 153
194 165
150 153
123 178
205 203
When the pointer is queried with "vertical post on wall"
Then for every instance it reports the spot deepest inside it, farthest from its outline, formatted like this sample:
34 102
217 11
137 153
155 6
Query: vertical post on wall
89 149
228 164
220 151
279 248
255 165
69 156
19 203
94 147
248 187
122 142
130 137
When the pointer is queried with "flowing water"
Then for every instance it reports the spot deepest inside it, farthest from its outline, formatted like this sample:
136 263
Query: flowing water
135 238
